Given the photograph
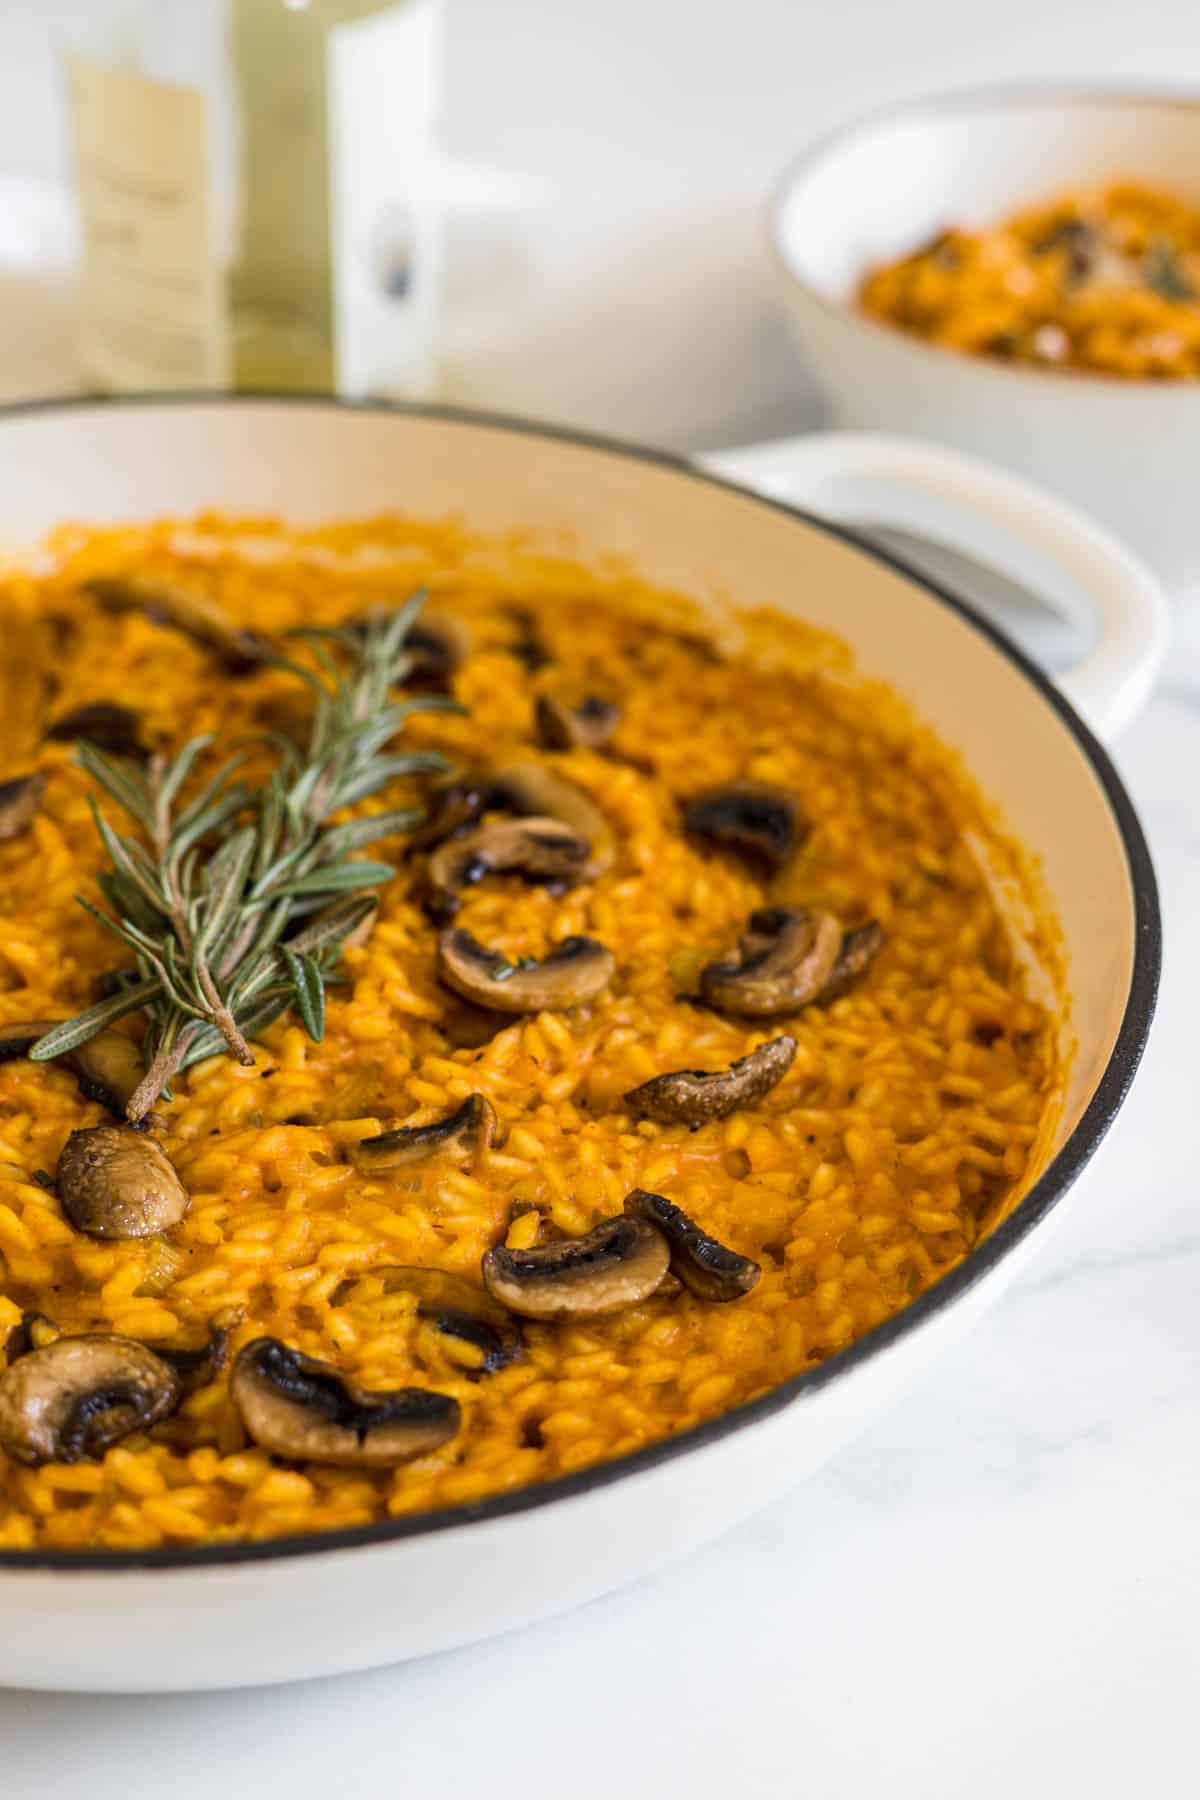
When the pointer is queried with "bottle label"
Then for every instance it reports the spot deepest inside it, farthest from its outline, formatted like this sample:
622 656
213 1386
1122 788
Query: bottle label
381 75
151 303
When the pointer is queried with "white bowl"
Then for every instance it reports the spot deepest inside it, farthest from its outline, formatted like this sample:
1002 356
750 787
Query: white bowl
256 1612
877 189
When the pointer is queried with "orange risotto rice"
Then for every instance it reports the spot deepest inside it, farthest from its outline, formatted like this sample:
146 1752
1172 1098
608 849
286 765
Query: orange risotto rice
1106 281
905 1127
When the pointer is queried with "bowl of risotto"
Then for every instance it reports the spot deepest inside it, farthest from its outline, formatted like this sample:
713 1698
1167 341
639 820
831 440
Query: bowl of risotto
1015 273
538 987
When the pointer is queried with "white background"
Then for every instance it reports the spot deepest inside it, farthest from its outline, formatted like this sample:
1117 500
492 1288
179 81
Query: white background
996 1592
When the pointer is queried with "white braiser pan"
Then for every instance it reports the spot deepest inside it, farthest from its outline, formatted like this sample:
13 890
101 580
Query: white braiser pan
276 1611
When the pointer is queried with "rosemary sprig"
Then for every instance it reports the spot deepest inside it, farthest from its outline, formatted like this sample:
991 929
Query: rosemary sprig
211 901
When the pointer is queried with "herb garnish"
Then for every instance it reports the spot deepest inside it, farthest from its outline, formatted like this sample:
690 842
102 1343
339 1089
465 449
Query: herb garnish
211 907
1164 272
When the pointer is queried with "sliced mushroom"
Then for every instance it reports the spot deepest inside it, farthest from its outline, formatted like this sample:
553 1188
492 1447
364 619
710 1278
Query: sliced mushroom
76 1396
529 646
705 1267
617 1264
20 799
194 614
536 849
529 791
781 963
108 1067
574 971
859 948
103 723
303 1409
467 1027
469 1128
33 1333
115 1182
436 644
690 1096
585 724
451 806
751 817
460 1309
196 1368
526 788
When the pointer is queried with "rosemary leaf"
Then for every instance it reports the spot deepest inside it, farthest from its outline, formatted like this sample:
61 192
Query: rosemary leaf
119 779
129 859
308 989
211 790
211 819
225 879
332 924
339 878
85 1025
1164 272
356 834
127 901
386 769
177 772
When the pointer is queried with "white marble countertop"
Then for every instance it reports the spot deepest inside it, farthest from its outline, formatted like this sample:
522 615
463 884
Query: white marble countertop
993 1593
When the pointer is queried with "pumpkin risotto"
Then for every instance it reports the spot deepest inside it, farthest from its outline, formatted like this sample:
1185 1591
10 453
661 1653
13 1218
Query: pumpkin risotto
671 1040
1106 281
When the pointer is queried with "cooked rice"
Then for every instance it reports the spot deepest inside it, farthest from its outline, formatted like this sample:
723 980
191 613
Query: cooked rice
909 1122
1104 280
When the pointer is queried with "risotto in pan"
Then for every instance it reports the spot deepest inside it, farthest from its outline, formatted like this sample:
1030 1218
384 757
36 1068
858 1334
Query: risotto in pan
463 1017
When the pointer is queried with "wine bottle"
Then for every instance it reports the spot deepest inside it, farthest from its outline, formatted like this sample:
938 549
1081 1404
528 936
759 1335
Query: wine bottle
257 196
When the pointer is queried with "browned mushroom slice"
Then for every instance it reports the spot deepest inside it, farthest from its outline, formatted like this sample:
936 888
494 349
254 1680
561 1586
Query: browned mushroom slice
451 806
690 1096
757 820
20 799
33 1333
436 644
115 1182
108 1067
705 1267
859 948
194 614
529 646
539 850
460 1309
305 1410
574 971
526 788
468 1129
617 1264
585 724
76 1396
196 1368
781 963
467 1027
109 727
